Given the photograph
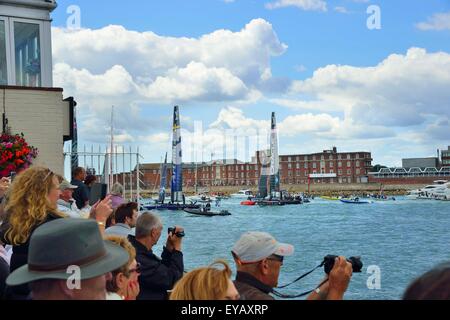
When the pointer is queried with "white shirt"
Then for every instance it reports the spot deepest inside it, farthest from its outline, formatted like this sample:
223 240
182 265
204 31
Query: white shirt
69 208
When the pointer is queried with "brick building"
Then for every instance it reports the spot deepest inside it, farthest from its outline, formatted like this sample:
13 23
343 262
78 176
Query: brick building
345 167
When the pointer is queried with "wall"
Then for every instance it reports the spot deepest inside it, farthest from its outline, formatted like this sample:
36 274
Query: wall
38 113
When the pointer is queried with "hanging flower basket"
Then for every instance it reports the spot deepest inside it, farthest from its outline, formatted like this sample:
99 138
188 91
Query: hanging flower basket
15 154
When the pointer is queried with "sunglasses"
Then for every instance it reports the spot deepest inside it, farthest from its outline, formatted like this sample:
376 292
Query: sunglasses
276 257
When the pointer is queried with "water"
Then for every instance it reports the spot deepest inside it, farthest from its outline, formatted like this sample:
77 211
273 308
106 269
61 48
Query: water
405 238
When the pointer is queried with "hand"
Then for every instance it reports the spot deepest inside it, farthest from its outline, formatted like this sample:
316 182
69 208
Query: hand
339 278
132 290
323 293
4 186
102 209
174 242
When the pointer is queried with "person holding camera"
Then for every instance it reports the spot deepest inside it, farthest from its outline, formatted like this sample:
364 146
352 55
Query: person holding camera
158 275
259 258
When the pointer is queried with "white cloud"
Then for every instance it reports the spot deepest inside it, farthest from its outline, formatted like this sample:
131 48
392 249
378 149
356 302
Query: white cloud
307 123
307 5
196 82
399 91
132 70
146 56
439 21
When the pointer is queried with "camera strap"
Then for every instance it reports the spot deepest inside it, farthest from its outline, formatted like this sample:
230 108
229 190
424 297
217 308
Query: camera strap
288 296
302 276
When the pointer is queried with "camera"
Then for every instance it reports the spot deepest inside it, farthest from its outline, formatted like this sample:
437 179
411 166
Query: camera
328 263
12 176
179 234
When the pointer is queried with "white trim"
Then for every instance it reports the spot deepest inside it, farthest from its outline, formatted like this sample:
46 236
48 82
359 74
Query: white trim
9 65
46 78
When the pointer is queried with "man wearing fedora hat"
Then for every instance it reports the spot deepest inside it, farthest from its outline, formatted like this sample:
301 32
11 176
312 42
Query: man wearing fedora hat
68 260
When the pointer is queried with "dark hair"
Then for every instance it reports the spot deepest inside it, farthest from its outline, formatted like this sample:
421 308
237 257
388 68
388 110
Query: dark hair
433 285
77 171
125 210
89 179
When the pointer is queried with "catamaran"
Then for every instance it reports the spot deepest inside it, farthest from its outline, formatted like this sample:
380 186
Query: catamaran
276 196
177 198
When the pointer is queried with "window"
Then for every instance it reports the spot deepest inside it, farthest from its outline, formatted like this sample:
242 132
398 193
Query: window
306 174
314 165
314 157
297 165
3 62
289 159
358 171
331 164
330 157
349 172
322 157
357 163
340 172
306 165
298 158
349 164
340 164
348 156
27 54
290 166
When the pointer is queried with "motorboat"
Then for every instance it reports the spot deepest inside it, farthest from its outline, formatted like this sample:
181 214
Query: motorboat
355 200
330 198
248 203
202 212
242 194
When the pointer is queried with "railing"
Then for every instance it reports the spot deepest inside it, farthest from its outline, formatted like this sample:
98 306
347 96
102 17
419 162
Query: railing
111 166
411 172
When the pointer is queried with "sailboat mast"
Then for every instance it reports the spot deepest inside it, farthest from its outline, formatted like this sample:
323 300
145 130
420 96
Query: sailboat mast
110 173
177 170
275 159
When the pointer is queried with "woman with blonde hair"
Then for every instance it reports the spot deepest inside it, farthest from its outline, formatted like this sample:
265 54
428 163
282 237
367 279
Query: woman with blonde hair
124 283
208 283
117 195
32 201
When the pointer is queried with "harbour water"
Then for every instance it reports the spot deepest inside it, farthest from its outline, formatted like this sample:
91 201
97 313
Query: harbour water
404 238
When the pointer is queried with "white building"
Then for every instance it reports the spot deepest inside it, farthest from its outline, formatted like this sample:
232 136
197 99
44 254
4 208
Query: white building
28 101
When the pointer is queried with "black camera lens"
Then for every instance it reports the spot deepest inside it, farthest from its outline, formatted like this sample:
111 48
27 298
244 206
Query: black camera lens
179 234
328 263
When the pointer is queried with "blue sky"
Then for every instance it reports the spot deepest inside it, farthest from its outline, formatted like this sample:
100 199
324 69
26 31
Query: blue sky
331 80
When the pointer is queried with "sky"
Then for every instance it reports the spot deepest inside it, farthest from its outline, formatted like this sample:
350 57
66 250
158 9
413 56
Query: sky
361 75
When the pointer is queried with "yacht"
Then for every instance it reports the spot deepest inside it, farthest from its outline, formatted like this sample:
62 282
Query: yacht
429 192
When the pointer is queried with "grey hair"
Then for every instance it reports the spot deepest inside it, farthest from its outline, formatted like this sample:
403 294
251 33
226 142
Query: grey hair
146 223
117 189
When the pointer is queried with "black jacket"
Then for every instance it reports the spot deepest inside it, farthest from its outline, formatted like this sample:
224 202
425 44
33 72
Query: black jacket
157 275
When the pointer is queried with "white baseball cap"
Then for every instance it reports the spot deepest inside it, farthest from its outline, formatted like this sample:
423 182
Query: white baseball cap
255 246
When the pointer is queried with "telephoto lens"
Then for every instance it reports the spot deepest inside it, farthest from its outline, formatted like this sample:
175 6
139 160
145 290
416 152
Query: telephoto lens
329 263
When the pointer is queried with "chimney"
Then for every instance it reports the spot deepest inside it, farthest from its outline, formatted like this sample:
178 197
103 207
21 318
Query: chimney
334 150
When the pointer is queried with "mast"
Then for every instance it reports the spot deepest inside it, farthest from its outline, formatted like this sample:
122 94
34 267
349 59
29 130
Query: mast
110 173
162 185
275 160
177 170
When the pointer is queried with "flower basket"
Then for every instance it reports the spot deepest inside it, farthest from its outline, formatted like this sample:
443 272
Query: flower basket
15 154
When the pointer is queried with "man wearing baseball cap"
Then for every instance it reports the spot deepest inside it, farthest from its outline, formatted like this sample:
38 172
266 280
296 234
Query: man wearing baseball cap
259 257
69 260
66 203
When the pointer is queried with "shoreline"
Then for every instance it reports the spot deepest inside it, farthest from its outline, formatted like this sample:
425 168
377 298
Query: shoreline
330 189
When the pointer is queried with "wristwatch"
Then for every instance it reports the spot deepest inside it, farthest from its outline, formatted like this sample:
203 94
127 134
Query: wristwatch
317 291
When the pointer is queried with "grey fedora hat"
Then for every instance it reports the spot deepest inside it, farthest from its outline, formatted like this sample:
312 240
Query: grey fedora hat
59 244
